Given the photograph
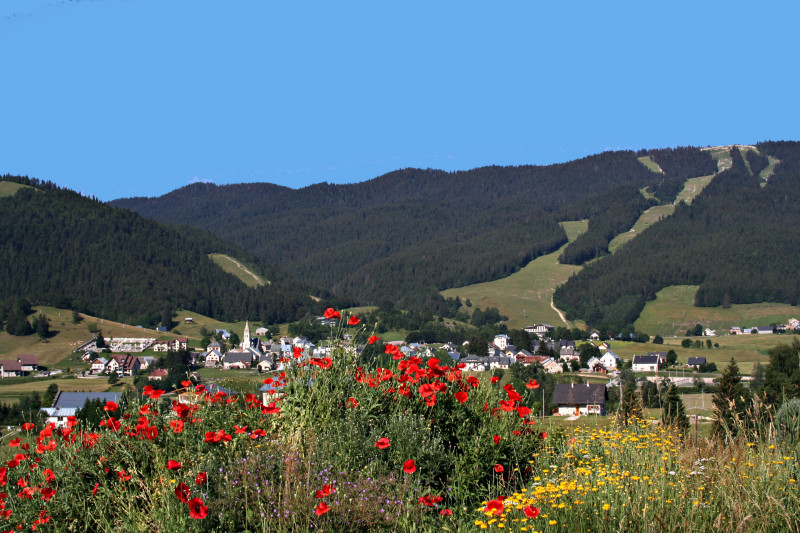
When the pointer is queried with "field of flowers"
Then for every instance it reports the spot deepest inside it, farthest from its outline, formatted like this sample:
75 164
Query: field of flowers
414 447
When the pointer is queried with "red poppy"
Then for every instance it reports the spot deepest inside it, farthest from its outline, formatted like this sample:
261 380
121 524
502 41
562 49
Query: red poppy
49 476
409 467
48 493
110 406
332 313
507 405
239 429
543 434
186 383
532 384
176 425
496 439
197 509
373 339
473 381
426 390
27 426
14 442
494 507
182 492
352 321
445 512
530 511
523 411
94 490
173 465
499 468
297 352
326 491
429 500
461 396
201 478
321 509
430 402
382 443
494 379
352 402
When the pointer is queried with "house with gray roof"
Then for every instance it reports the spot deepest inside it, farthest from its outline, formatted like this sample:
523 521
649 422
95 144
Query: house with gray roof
78 399
646 363
580 398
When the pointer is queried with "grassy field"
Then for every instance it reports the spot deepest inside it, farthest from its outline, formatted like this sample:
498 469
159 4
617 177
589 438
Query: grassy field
9 188
673 312
232 266
193 330
525 296
67 336
649 163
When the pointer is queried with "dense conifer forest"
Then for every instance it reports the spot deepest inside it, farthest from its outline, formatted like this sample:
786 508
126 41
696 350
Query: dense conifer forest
738 241
410 233
63 249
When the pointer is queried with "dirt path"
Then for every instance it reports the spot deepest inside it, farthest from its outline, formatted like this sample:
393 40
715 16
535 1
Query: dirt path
560 314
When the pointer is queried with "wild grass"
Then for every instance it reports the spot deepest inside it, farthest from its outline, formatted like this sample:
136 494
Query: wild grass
525 296
232 266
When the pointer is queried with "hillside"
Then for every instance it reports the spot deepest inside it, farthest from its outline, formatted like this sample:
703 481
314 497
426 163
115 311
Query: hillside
63 249
410 233
737 242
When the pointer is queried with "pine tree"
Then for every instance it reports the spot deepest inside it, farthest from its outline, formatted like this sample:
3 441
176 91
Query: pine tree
630 403
673 412
731 401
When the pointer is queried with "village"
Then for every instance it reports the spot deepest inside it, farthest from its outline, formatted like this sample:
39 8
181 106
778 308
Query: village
116 356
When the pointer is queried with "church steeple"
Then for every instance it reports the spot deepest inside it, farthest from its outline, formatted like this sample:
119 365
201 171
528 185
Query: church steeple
246 337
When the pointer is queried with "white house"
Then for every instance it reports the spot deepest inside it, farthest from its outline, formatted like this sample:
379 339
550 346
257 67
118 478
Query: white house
646 363
502 341
609 360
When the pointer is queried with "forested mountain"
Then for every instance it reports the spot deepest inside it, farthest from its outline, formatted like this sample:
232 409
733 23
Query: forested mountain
64 249
738 241
407 234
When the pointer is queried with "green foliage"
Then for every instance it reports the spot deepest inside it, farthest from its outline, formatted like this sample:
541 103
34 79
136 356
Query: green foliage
630 403
408 235
782 375
787 422
612 292
658 339
673 412
137 269
731 402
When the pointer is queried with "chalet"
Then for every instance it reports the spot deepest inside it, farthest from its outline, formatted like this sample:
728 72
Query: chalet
595 336
596 365
552 366
236 359
763 330
736 330
160 346
213 358
662 356
78 399
708 332
214 345
145 361
603 346
500 362
112 366
98 366
224 333
568 353
610 360
188 320
580 399
162 329
10 369
696 362
266 363
475 363
179 343
58 416
28 362
158 374
127 364
646 363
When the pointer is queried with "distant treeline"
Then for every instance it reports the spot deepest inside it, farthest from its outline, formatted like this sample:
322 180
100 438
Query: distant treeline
410 233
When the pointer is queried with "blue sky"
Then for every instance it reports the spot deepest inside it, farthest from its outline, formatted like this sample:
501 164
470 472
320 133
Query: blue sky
122 98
